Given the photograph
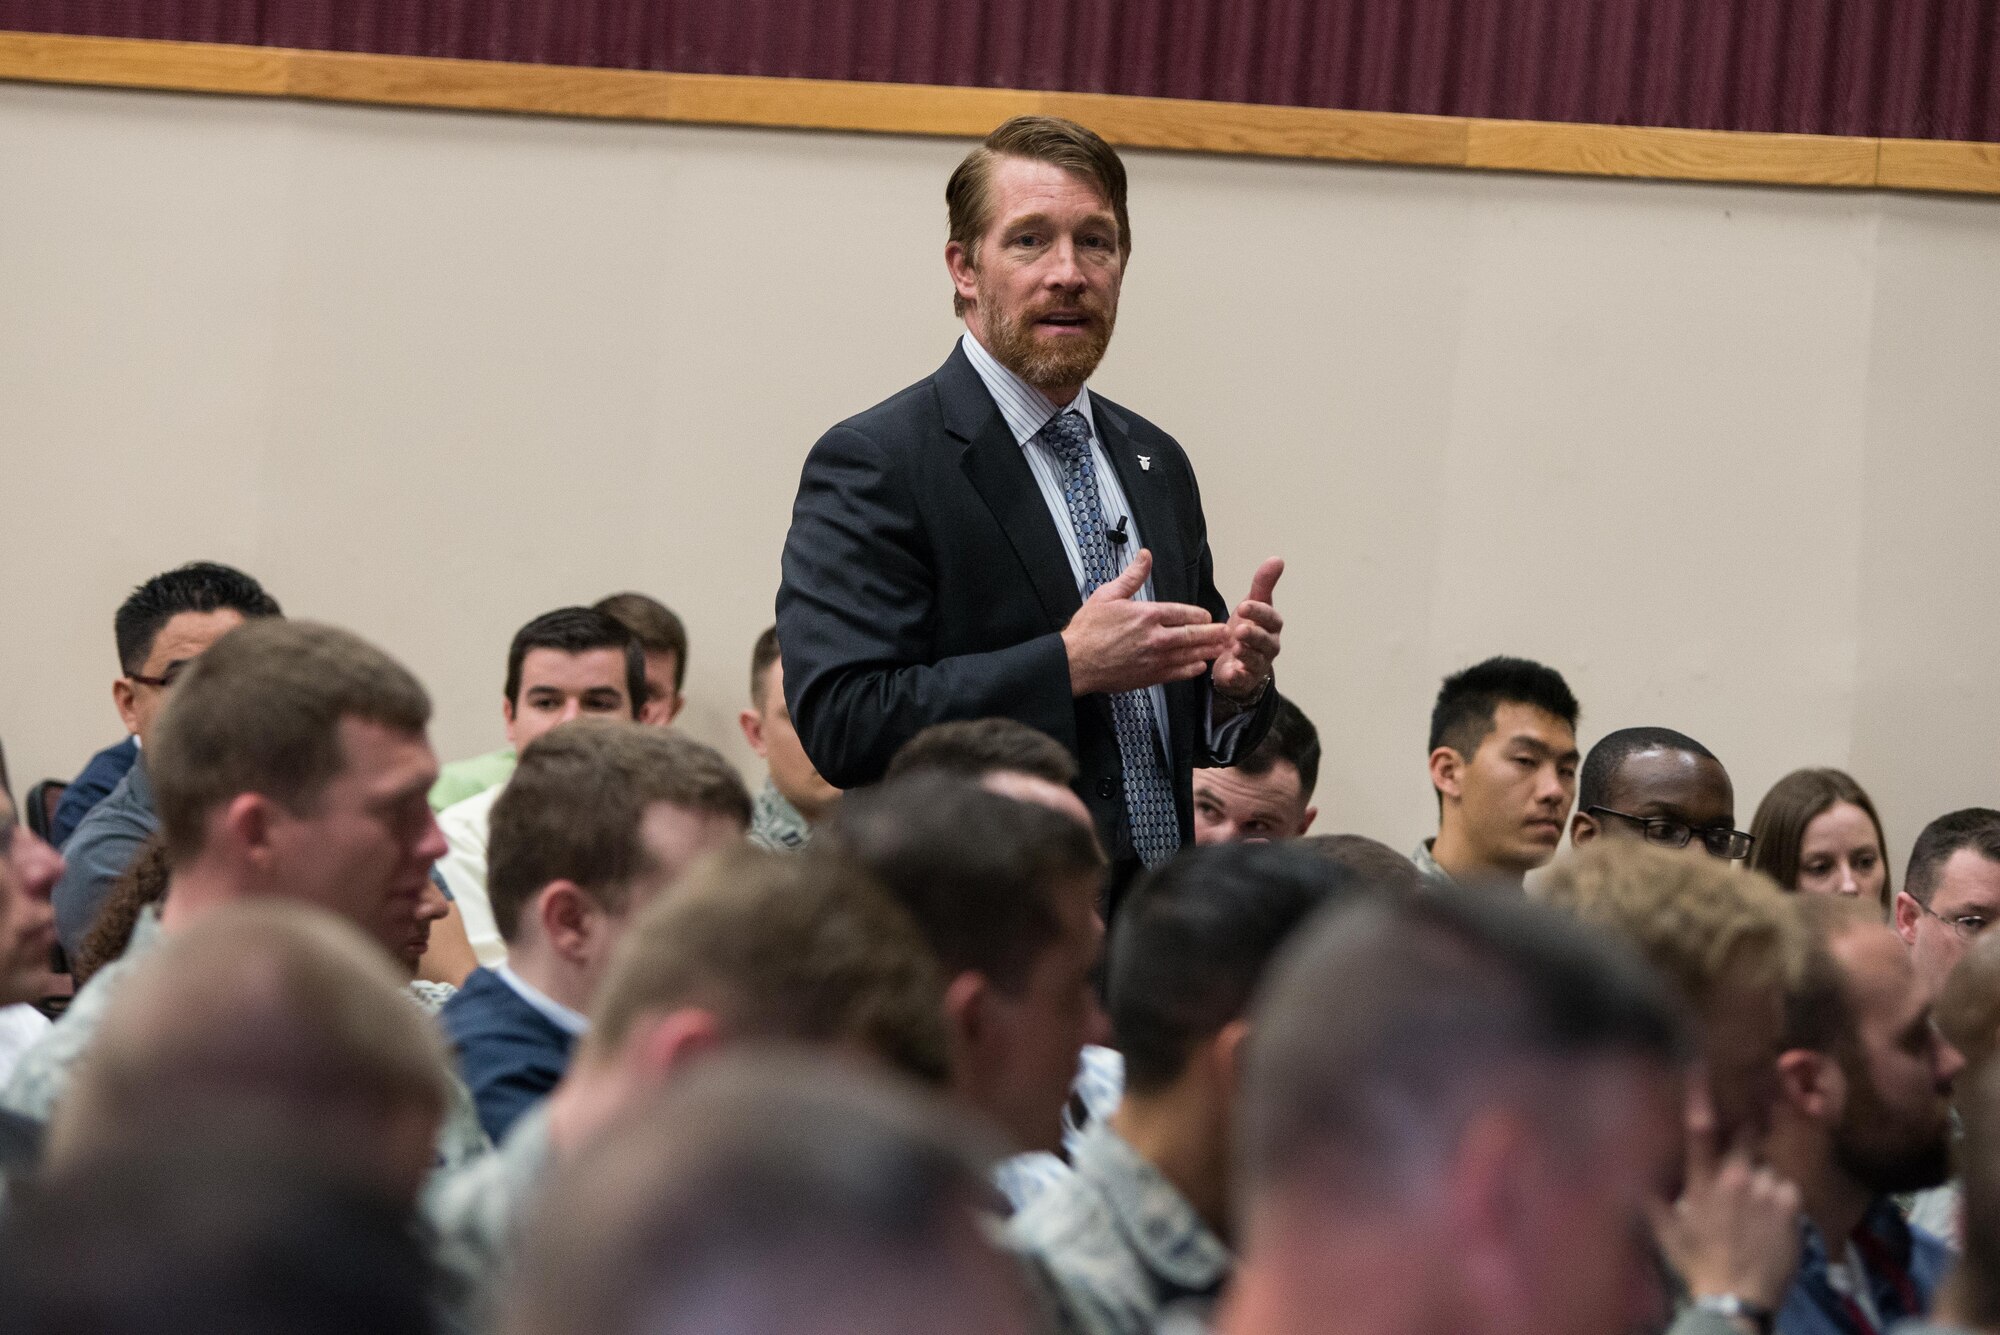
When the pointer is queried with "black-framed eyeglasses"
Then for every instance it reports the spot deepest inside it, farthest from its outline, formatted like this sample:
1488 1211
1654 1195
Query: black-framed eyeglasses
168 675
1719 840
1967 925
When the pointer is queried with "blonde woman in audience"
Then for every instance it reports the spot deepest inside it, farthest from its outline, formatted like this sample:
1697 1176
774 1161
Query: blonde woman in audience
1817 833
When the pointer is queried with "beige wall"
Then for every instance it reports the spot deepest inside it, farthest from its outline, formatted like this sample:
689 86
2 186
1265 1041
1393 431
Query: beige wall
1723 455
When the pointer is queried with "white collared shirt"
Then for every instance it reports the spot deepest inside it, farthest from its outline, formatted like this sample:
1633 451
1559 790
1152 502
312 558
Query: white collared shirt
1026 410
574 1023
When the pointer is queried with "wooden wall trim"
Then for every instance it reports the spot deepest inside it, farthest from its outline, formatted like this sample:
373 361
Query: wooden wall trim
1210 127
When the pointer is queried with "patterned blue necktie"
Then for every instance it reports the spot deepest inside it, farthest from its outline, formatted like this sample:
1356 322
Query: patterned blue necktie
1149 797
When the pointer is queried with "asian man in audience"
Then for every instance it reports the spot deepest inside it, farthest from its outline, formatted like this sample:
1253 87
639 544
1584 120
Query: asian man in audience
1663 787
164 625
28 872
773 1194
1268 793
1951 892
574 662
748 947
664 641
794 798
1503 762
292 763
1456 1110
1732 946
1863 1112
598 817
1144 1224
1005 892
1003 756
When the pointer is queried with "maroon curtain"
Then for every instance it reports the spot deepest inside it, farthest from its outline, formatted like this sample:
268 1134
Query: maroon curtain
1926 69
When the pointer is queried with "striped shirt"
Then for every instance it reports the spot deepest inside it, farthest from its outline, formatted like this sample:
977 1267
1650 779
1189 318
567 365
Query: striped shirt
1026 412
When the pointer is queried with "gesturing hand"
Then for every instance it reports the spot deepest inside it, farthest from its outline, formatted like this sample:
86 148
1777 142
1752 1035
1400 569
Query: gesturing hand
1245 665
1117 644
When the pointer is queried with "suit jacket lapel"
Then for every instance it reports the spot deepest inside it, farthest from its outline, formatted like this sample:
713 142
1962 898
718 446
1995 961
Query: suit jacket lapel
998 471
1152 502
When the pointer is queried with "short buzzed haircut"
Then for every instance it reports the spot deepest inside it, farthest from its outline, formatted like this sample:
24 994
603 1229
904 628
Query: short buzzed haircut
264 1014
260 712
968 195
1462 716
578 630
1976 828
765 1194
653 624
1192 941
574 807
1820 1014
1601 766
1702 923
1391 1023
1369 861
198 586
798 950
980 873
1292 739
974 748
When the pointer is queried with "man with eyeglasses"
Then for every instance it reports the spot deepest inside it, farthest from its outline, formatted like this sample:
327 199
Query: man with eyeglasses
165 624
1952 891
1661 786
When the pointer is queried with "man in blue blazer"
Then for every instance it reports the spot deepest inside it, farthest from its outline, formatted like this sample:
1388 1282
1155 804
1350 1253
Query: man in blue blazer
997 540
598 817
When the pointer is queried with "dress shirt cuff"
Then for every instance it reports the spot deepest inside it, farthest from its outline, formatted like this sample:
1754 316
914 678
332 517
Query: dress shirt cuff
1225 737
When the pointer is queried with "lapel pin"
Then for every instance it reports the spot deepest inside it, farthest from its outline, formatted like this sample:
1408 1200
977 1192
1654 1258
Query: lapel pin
1145 463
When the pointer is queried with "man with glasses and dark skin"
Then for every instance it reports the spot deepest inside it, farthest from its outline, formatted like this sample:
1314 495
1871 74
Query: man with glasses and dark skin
1951 893
164 625
1661 786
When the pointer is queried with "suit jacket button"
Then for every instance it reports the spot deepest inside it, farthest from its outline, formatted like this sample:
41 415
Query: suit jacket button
1106 787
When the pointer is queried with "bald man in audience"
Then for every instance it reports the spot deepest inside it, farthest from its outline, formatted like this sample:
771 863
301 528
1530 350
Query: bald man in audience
739 1202
598 818
748 947
1732 945
274 1021
292 763
1268 793
1456 1110
1661 786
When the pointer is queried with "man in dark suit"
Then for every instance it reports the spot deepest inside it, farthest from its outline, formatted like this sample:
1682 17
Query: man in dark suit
997 540
598 817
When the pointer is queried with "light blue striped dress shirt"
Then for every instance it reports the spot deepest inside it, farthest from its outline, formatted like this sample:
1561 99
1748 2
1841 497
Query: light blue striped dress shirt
1026 411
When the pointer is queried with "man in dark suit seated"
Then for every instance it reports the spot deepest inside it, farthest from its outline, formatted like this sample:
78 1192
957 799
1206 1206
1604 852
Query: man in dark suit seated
1000 541
598 817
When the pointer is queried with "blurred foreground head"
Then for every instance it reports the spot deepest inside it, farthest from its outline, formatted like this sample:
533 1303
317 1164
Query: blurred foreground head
270 1020
1459 1105
771 1194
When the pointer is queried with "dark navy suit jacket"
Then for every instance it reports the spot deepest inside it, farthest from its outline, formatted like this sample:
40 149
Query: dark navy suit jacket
924 581
510 1054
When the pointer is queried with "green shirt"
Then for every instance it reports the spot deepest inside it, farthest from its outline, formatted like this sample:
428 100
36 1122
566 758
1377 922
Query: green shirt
468 778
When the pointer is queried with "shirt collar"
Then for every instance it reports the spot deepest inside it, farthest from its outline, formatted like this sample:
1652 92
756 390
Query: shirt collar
574 1023
1026 409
